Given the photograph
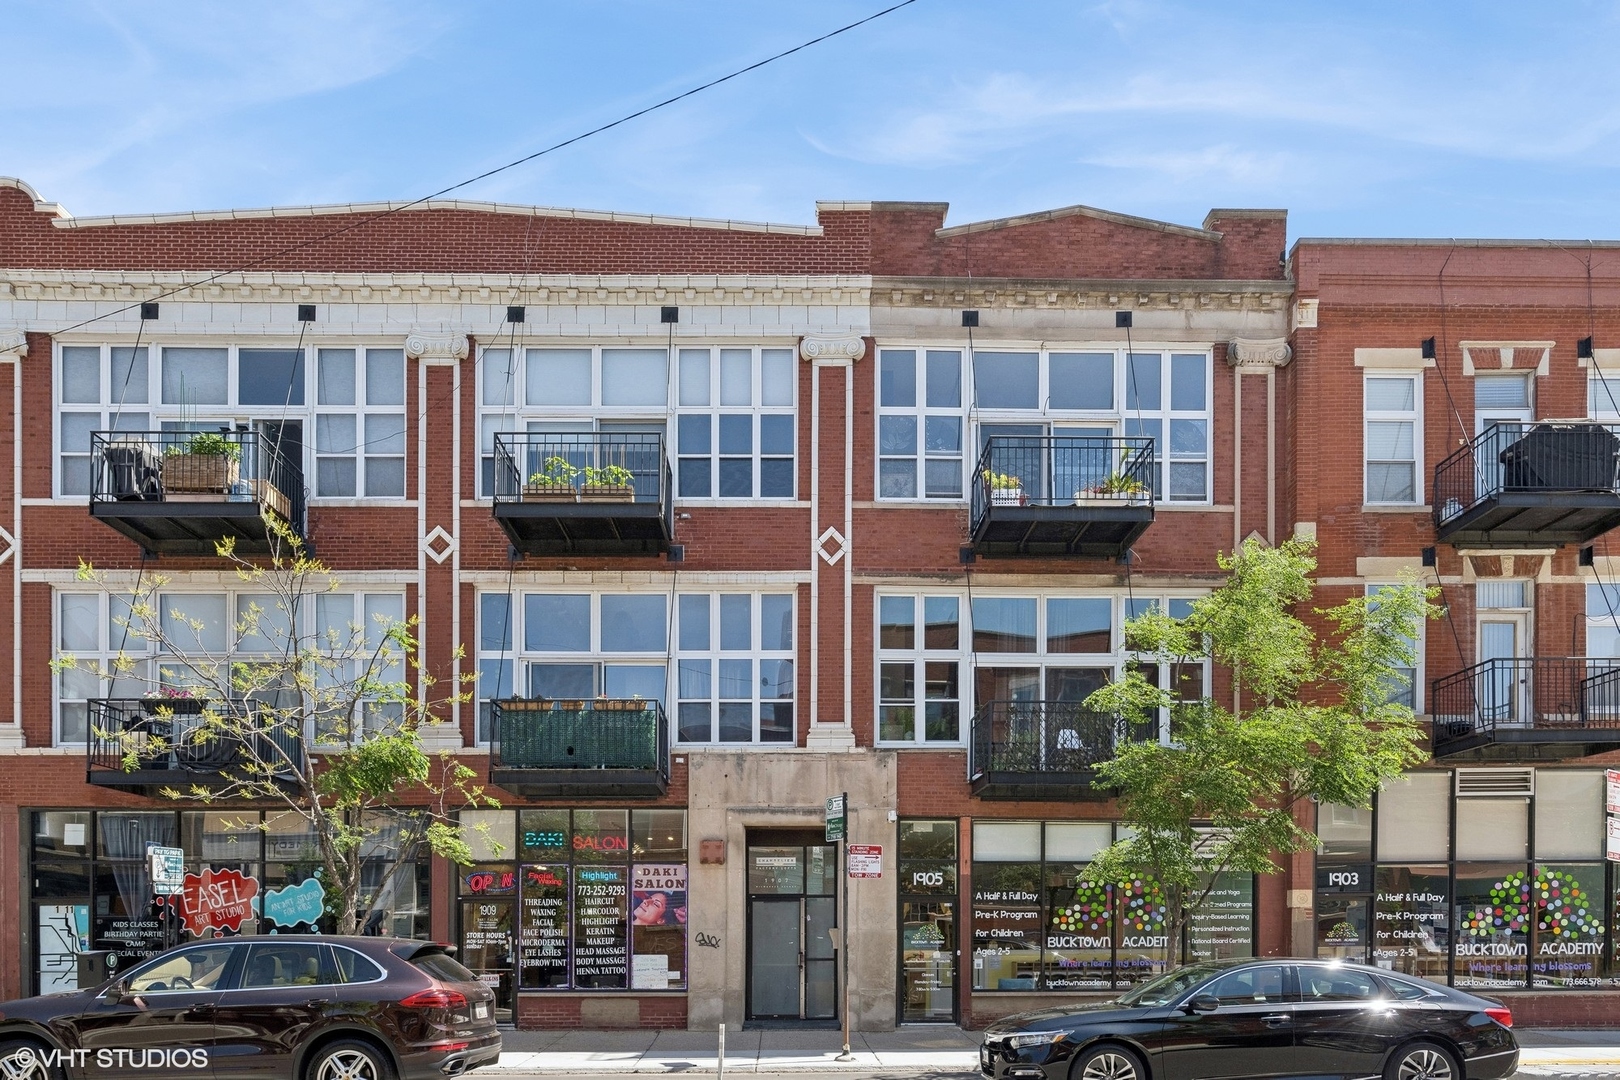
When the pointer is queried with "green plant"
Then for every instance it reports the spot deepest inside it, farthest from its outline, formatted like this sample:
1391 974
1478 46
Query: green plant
1117 484
1002 481
208 444
555 470
608 476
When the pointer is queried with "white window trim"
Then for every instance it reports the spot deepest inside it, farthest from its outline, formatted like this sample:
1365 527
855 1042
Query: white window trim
1415 418
669 657
160 413
1114 419
971 659
514 418
145 651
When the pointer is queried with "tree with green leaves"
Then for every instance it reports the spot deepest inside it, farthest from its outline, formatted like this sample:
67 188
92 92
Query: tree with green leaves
297 707
1314 720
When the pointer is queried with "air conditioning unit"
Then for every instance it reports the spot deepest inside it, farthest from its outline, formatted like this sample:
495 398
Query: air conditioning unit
1495 783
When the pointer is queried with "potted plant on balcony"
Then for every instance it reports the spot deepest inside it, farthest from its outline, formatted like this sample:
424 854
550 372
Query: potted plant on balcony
1115 487
1005 489
207 463
175 699
610 483
553 483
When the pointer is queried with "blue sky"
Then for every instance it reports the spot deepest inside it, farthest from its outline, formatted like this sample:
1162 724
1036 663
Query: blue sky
1362 119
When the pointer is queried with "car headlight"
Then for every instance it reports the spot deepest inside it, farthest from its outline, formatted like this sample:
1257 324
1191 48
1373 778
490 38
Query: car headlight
1037 1038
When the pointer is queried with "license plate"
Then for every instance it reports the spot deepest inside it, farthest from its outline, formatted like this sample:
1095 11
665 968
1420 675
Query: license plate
480 1011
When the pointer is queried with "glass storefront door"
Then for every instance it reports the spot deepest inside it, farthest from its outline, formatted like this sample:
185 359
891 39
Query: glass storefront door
928 961
487 949
792 909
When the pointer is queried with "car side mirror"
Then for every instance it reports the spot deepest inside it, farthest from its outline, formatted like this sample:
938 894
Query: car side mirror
117 992
1202 1003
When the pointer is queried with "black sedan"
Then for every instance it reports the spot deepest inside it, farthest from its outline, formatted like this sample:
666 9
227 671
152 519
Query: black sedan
1262 1018
303 1007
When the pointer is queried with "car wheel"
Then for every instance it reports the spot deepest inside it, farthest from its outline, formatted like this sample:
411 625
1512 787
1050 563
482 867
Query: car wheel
347 1060
1422 1061
1107 1063
21 1059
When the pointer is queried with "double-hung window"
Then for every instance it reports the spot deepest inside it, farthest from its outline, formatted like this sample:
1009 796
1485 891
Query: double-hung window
735 673
1404 689
354 398
919 668
1187 678
1392 437
1062 413
734 424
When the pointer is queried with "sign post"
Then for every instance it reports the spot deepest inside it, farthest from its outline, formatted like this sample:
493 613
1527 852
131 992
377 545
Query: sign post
167 869
838 830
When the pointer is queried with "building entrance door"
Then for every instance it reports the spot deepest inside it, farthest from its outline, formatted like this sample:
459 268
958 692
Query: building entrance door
792 909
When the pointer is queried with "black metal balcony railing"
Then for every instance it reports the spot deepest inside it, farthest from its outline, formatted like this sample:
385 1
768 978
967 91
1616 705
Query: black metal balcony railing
584 492
1552 481
602 747
1062 494
181 492
1039 749
1545 699
163 736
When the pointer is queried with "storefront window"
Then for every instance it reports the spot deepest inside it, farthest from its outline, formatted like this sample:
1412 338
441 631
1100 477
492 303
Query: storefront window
928 921
596 901
1493 913
1567 925
1411 920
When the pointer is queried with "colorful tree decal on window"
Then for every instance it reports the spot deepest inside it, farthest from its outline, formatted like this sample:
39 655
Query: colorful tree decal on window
1143 907
1087 913
1553 899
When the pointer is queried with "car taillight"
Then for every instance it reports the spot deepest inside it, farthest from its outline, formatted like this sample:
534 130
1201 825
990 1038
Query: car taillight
1501 1015
436 998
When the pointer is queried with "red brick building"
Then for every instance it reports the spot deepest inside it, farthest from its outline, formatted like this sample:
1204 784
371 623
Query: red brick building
803 578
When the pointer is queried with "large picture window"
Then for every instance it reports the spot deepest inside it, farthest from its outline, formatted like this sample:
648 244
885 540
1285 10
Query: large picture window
1517 896
936 409
1038 924
337 413
732 654
728 414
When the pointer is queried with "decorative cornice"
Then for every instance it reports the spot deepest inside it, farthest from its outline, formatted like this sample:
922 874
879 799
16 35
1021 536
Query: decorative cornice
1191 295
13 344
828 349
1258 352
443 346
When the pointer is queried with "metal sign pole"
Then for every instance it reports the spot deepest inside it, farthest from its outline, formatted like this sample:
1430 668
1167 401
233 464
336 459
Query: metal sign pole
844 847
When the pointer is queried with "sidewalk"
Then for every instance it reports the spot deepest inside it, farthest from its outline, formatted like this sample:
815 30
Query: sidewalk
916 1050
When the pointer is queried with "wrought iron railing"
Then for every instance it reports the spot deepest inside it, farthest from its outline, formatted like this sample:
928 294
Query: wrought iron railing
169 735
189 466
581 466
1034 737
1063 470
1547 456
1542 692
620 734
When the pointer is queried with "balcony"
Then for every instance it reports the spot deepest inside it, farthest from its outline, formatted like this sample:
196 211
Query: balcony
584 493
1039 750
1537 707
182 492
606 748
1551 483
1062 495
161 738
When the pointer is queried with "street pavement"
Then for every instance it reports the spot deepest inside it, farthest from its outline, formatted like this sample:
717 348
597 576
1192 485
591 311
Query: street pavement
914 1053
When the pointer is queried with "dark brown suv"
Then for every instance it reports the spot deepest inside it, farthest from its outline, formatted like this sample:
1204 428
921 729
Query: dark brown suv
304 1006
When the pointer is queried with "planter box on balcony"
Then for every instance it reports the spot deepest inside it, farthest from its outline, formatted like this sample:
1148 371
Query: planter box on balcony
200 473
550 493
607 493
1007 496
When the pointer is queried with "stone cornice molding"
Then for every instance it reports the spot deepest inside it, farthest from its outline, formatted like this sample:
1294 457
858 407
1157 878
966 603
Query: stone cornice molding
1258 353
13 344
438 346
832 350
1191 295
119 287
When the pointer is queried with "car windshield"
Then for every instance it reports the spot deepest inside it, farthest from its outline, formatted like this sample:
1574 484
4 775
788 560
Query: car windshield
1169 986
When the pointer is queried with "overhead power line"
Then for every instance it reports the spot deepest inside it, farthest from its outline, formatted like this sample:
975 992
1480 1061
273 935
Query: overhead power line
381 214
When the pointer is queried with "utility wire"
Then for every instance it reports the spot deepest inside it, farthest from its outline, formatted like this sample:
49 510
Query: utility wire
372 219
